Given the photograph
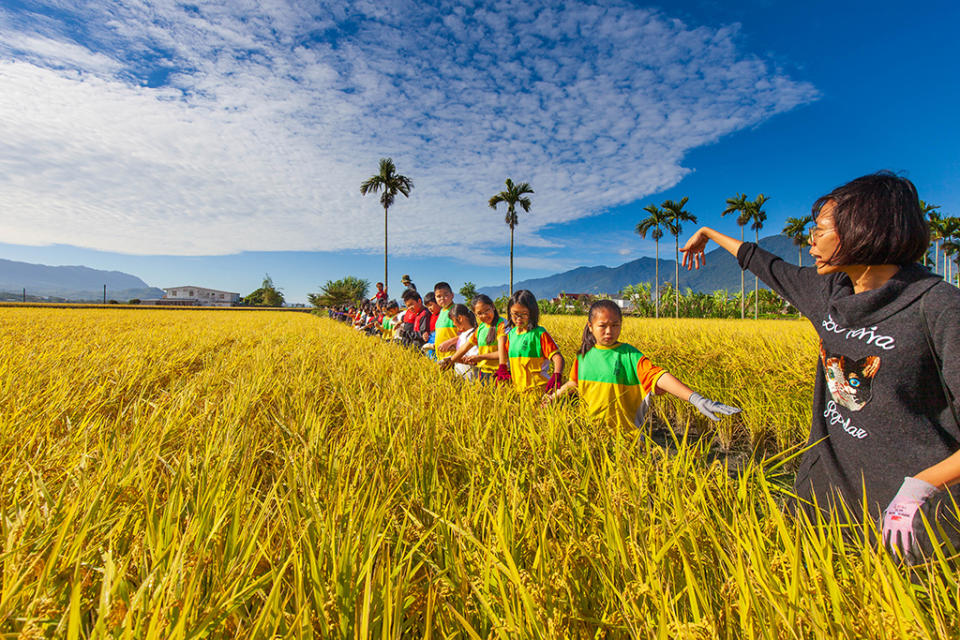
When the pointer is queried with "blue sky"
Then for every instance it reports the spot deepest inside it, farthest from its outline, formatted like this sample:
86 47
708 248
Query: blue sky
209 144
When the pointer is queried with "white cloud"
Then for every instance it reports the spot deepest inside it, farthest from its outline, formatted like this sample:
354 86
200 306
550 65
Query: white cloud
272 114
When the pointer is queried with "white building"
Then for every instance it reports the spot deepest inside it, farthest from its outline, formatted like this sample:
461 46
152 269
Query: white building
200 296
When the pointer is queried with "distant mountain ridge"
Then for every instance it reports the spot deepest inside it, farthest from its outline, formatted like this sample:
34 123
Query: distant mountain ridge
73 282
720 272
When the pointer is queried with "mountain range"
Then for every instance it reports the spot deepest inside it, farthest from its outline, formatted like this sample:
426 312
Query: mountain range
72 283
721 271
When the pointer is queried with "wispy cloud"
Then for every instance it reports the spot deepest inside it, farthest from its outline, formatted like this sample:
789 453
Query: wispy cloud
157 127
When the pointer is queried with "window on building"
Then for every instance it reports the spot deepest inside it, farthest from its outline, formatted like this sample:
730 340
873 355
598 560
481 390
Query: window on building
191 293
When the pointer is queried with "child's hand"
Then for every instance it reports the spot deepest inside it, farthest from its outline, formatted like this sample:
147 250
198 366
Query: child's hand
553 383
448 345
471 360
710 408
445 364
502 374
548 399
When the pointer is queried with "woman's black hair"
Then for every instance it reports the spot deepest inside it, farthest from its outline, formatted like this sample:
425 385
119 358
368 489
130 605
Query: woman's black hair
878 221
524 298
463 311
485 299
589 342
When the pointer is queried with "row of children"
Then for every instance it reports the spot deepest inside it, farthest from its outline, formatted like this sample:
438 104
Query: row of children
615 380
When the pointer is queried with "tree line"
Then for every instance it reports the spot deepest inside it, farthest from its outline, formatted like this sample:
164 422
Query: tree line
666 218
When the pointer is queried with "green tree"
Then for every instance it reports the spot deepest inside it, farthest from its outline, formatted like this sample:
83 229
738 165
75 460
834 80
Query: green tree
513 195
468 291
796 230
347 290
930 211
266 296
676 216
390 183
950 246
654 224
757 216
738 205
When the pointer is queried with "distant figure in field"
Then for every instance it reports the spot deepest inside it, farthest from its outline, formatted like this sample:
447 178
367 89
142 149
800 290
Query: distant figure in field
446 332
430 302
416 320
616 381
381 295
528 349
407 283
490 335
466 324
884 409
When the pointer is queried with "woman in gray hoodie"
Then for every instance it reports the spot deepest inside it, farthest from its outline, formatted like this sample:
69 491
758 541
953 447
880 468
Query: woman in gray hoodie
884 438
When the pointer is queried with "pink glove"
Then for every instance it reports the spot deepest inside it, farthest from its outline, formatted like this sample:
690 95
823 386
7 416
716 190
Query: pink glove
898 517
502 374
553 383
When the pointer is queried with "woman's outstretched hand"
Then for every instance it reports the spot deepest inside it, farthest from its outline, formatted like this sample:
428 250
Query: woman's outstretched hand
693 250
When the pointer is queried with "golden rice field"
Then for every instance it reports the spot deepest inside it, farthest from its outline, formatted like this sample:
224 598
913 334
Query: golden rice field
227 474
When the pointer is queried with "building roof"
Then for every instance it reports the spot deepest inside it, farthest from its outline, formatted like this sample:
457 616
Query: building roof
193 286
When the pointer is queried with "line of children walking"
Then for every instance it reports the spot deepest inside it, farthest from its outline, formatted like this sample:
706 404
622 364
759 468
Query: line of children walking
615 380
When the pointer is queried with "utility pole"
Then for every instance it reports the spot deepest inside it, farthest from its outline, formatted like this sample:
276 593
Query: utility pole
24 294
104 294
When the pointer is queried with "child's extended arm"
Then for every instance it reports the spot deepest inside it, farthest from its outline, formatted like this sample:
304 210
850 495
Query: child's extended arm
570 386
667 383
446 363
554 382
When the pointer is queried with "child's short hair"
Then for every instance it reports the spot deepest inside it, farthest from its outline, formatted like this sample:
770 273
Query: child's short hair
463 311
878 221
392 305
588 341
429 298
524 298
442 286
410 294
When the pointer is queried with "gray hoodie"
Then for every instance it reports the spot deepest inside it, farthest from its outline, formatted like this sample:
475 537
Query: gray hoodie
879 410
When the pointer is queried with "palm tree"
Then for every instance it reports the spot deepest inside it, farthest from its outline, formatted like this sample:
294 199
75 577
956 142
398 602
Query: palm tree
654 225
391 183
796 230
757 216
950 245
738 205
930 211
676 216
513 195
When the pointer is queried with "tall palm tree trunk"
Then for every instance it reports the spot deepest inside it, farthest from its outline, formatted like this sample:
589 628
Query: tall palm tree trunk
743 296
656 284
799 255
386 280
676 306
756 287
511 262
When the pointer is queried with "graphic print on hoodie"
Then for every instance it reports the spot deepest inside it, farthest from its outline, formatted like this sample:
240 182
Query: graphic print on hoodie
849 381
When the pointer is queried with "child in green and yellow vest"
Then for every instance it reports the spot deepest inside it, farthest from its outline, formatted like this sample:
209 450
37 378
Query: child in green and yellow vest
445 340
391 318
490 333
528 348
616 381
